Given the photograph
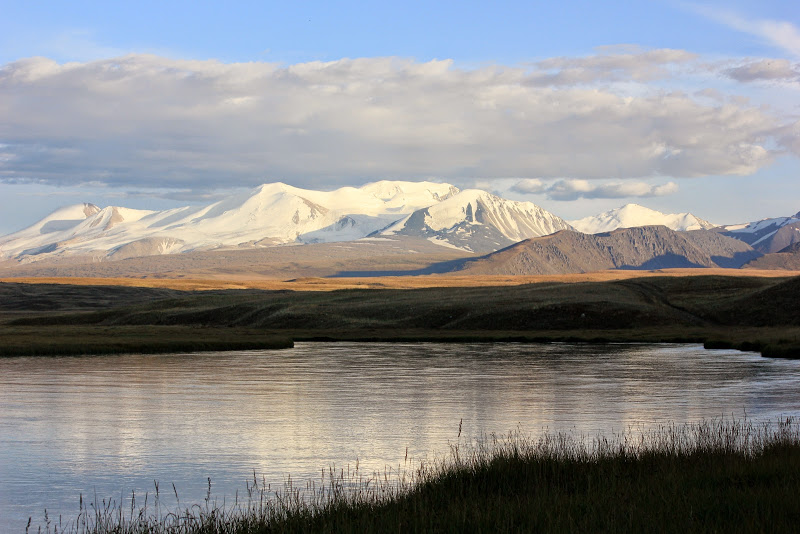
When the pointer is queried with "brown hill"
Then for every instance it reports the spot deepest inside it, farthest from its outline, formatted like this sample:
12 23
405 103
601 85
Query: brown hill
647 247
786 259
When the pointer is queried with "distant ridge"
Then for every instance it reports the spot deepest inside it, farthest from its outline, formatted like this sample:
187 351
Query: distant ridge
647 247
767 235
633 215
787 258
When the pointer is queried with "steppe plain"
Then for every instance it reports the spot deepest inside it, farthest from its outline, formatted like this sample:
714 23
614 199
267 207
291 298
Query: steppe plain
270 297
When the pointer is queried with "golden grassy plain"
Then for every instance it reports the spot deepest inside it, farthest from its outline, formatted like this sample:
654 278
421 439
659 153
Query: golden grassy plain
220 282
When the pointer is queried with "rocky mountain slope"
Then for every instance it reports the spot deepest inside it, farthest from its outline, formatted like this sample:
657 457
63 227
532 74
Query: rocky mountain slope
478 221
767 235
648 247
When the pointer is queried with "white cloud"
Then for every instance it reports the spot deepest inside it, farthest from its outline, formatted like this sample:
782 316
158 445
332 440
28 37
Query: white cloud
530 186
780 34
765 70
790 137
573 189
156 122
617 63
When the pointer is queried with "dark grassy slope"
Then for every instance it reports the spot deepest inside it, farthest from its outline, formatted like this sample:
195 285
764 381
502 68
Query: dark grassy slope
733 310
632 303
55 297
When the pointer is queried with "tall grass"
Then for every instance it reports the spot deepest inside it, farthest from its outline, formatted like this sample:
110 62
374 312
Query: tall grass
710 476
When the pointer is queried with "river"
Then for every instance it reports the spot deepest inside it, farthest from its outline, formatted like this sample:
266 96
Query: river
105 426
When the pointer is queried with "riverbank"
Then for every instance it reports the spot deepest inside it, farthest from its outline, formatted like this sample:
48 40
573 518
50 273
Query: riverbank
744 312
65 340
710 477
75 340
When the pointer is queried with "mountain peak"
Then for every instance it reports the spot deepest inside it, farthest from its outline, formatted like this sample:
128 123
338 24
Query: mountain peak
633 215
478 221
59 220
273 188
633 207
388 190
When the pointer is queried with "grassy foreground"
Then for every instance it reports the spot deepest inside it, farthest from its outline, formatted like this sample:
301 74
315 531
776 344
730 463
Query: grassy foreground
709 477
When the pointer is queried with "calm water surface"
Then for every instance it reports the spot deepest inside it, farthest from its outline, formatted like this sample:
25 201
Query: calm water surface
110 425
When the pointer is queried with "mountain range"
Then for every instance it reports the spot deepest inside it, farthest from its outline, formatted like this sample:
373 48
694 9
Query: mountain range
279 214
521 236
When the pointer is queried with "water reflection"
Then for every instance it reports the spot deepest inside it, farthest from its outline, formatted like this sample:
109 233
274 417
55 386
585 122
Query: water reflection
114 424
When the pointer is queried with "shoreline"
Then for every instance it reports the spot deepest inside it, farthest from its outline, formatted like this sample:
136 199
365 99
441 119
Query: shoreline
64 340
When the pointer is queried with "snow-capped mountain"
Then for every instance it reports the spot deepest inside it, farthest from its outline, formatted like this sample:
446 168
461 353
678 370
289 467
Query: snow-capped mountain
634 215
278 214
270 214
767 235
60 220
478 221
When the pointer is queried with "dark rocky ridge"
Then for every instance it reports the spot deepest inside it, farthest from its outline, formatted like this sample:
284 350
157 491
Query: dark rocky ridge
786 259
771 238
646 247
783 238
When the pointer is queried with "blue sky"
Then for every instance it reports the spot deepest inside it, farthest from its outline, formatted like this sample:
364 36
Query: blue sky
579 107
471 32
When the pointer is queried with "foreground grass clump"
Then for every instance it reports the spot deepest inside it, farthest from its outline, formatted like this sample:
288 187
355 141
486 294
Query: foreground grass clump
708 477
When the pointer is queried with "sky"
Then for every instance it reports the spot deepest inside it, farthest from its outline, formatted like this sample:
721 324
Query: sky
579 107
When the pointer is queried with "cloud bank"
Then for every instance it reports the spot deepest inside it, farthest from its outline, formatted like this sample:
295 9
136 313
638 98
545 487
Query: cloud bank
576 189
150 121
765 70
